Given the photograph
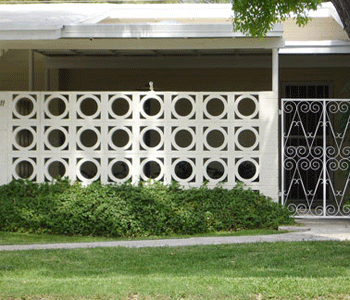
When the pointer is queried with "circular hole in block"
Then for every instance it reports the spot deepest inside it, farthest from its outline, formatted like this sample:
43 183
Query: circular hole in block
120 138
24 169
151 138
120 107
120 170
215 170
88 138
152 107
88 169
56 169
183 138
215 107
89 107
56 138
247 107
247 138
24 138
152 169
247 170
183 170
215 138
24 107
183 107
56 107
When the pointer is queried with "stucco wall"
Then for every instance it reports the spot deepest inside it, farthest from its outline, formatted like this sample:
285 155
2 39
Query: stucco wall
338 78
166 80
316 30
14 74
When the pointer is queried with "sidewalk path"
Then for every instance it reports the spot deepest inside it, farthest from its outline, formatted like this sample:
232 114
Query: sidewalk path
306 230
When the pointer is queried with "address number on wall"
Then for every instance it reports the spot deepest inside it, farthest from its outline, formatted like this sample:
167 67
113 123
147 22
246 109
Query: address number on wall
2 103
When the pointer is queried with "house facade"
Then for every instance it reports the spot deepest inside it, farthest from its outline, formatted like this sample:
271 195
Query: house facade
130 92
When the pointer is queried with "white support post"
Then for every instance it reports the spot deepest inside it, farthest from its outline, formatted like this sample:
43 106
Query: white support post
275 71
31 71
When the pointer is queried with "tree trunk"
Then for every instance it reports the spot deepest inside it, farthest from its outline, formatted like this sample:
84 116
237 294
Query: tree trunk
343 9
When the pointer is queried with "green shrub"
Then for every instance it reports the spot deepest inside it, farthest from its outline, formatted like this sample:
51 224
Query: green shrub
127 210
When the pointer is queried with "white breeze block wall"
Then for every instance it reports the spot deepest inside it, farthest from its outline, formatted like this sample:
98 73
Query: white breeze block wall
130 136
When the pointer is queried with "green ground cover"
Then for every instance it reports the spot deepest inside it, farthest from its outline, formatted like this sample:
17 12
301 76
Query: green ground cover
295 270
128 210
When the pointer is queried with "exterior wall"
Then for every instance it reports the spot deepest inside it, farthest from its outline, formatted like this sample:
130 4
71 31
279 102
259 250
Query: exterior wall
15 78
115 137
166 79
14 75
338 78
317 29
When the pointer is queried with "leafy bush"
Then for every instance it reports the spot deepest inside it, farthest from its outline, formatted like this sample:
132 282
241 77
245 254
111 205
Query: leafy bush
127 210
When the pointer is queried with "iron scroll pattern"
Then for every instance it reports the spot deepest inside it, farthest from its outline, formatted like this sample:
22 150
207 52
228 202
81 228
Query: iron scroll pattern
316 157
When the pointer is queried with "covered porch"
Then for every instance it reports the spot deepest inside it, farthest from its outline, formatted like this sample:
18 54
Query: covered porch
90 113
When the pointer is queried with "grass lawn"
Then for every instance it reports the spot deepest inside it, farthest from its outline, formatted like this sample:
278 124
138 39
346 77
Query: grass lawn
295 270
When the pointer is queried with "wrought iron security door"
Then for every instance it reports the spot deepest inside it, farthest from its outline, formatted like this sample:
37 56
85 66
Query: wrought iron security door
316 157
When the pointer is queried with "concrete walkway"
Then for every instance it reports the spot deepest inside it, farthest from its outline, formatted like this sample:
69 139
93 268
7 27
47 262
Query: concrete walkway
305 230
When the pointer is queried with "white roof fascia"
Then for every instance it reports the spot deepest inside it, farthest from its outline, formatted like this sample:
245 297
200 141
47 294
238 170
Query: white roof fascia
32 34
144 44
158 30
316 47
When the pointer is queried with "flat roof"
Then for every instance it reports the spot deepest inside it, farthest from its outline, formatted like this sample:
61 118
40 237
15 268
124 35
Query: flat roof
65 27
55 21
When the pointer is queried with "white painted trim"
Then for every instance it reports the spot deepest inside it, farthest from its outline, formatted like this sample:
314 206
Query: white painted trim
31 34
149 43
158 30
316 47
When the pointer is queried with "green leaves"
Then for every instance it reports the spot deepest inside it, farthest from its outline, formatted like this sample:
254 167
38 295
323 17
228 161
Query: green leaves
126 210
257 17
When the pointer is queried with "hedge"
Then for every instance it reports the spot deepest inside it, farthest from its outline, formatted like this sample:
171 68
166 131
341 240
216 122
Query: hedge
126 210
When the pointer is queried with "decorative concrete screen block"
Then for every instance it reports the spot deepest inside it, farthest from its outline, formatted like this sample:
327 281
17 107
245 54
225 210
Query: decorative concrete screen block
116 137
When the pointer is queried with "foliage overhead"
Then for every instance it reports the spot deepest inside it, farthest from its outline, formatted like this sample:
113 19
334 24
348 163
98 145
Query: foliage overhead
257 17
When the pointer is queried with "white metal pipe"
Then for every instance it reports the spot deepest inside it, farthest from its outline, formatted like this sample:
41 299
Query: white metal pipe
275 71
